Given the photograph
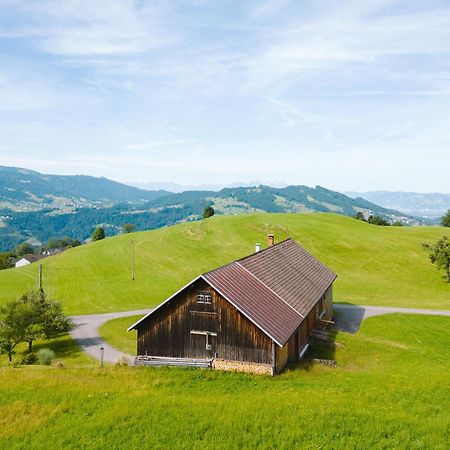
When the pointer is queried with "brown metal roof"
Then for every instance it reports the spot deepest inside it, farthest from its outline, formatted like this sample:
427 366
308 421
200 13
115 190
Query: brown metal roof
292 273
275 288
256 301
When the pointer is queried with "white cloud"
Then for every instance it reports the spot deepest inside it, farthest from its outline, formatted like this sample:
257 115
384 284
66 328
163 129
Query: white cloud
93 28
308 92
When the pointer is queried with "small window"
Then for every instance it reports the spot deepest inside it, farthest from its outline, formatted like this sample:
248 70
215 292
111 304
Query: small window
204 297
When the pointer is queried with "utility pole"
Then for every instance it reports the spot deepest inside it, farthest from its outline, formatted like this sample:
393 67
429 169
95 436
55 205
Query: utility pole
132 260
40 276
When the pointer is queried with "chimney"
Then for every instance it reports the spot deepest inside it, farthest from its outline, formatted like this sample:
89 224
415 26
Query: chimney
257 247
271 239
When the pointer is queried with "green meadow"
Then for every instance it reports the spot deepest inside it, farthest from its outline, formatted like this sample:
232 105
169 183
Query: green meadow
389 390
115 333
375 265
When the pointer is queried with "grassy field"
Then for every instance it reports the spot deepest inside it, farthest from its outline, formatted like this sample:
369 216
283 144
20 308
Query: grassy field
390 390
115 333
375 265
66 352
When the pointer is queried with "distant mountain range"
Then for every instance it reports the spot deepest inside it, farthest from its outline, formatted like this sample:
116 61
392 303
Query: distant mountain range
35 207
412 203
23 189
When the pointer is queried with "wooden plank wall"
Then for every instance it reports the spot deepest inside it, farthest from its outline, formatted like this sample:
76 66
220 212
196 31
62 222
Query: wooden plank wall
168 331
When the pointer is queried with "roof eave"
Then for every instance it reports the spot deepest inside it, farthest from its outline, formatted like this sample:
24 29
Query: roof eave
162 304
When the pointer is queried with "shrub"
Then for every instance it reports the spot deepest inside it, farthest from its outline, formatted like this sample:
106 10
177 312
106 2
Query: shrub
377 220
98 234
28 359
45 356
208 212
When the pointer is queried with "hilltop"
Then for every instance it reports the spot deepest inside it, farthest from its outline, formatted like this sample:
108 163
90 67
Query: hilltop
36 207
375 265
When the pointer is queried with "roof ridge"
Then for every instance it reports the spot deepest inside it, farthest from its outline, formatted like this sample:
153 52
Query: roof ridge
270 289
264 250
249 256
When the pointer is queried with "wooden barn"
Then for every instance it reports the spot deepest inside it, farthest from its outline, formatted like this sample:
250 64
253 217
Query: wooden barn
254 314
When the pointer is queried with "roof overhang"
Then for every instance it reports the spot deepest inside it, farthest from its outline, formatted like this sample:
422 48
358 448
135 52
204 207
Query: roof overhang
163 303
267 333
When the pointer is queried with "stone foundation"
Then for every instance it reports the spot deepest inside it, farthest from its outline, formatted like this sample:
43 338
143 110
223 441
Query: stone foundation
242 366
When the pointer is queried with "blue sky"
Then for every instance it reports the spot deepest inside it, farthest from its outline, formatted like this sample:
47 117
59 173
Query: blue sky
352 95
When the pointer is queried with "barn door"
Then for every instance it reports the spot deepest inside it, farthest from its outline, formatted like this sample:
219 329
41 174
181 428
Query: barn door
203 330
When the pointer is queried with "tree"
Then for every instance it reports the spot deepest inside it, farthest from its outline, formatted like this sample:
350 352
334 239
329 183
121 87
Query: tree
377 220
25 248
445 221
360 216
64 242
439 254
98 234
128 228
208 212
397 223
5 260
34 317
13 322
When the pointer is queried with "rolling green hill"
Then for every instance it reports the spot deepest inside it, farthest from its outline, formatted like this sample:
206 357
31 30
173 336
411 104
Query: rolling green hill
36 207
375 265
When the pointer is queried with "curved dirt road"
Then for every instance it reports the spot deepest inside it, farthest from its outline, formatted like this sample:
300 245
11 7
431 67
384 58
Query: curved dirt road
86 334
348 318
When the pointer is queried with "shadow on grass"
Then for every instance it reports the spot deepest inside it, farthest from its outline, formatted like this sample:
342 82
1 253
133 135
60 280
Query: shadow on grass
63 347
348 319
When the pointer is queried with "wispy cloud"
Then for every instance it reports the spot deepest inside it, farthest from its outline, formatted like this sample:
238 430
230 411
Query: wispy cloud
123 87
94 28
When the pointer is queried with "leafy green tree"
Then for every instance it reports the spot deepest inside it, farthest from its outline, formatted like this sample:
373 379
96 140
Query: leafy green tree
377 220
439 254
5 260
25 248
13 322
397 223
64 242
208 212
445 221
41 318
128 228
98 234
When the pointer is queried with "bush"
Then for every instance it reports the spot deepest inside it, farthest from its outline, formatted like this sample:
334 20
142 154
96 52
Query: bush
377 220
45 356
208 212
98 234
29 359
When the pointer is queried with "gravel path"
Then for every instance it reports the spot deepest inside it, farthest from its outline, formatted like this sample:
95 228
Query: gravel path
348 318
87 337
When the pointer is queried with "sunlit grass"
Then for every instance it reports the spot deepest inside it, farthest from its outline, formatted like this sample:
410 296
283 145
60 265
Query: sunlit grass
115 333
375 265
390 390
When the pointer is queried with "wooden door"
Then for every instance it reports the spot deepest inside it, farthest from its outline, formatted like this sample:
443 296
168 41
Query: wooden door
203 330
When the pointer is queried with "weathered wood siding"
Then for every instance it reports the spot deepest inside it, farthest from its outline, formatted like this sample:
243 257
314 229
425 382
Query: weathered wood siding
328 304
282 355
182 328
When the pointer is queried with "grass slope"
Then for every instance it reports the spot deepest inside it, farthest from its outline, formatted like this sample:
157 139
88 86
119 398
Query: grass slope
115 333
390 390
375 265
